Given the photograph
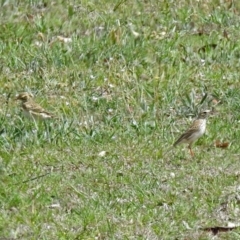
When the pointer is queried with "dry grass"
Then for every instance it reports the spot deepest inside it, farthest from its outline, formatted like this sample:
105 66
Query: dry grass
125 79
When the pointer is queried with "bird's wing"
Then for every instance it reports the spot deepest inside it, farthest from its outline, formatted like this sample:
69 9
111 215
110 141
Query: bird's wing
185 136
34 107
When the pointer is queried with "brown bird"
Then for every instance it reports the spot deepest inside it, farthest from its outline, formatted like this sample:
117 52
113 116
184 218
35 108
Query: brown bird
195 131
31 109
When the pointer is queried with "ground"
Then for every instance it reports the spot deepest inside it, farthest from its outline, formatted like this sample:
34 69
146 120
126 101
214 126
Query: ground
125 79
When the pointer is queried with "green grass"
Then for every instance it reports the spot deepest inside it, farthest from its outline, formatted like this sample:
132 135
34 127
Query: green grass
99 171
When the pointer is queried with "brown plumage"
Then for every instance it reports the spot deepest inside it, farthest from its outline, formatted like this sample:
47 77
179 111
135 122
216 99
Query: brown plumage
32 109
196 130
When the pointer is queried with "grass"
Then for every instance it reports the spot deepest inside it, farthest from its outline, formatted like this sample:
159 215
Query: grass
130 79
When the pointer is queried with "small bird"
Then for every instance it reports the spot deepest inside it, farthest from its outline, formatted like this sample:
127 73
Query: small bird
32 109
195 131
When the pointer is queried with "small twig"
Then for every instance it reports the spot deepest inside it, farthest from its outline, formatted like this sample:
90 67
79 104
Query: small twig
118 4
40 176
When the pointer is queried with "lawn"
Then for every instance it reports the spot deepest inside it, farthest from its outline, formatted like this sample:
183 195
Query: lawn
125 79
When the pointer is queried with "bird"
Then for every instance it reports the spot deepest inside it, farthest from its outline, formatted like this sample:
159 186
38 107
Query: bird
194 132
31 109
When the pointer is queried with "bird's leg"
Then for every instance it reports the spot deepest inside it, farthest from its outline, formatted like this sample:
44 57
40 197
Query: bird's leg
191 152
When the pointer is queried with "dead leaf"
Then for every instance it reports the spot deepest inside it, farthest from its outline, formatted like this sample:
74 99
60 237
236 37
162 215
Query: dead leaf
219 144
215 230
208 46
